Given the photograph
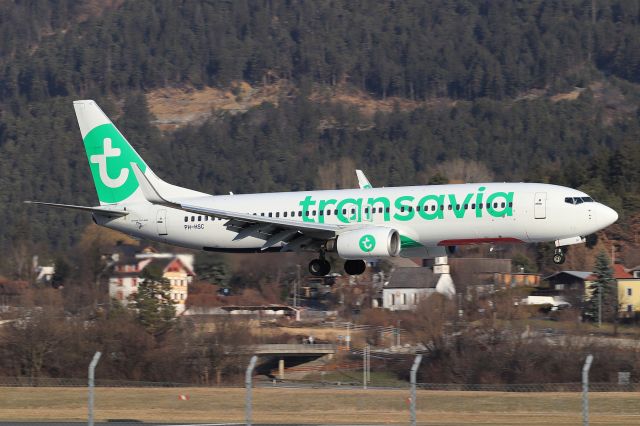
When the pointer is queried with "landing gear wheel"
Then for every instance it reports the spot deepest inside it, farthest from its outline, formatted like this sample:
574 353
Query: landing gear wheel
558 256
319 267
355 267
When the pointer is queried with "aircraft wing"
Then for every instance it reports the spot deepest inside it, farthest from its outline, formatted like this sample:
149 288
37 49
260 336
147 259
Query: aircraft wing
294 234
107 211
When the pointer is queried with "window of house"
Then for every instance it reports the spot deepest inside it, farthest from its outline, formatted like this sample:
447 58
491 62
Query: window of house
404 298
629 291
629 308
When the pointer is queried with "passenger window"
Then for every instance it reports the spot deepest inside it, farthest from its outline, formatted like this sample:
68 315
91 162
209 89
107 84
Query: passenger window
284 214
387 210
441 207
495 205
270 214
306 213
277 214
300 213
466 206
313 213
410 208
402 209
473 206
366 210
353 211
335 212
450 207
186 218
433 208
379 209
199 218
193 218
293 214
321 212
502 205
417 208
262 214
328 212
344 211
457 207
510 204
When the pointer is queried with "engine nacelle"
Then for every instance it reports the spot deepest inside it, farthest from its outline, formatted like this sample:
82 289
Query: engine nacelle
366 243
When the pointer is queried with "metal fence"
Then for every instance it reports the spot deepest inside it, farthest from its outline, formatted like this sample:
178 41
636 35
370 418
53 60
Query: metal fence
523 388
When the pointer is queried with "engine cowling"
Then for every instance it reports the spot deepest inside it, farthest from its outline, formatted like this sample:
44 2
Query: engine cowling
367 243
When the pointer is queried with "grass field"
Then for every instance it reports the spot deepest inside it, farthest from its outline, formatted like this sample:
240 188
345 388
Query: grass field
337 406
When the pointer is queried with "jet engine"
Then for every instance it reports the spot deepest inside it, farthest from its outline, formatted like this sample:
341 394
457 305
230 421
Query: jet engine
366 243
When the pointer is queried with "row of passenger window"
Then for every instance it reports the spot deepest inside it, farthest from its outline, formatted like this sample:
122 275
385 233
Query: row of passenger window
578 200
431 208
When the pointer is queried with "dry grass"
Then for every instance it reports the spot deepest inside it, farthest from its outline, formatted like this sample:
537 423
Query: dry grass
291 406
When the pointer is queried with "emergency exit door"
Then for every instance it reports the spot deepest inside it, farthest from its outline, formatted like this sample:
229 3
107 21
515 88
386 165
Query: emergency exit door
540 205
161 221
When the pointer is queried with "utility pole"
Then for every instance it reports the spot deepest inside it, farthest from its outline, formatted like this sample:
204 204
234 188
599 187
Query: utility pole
296 287
366 365
599 305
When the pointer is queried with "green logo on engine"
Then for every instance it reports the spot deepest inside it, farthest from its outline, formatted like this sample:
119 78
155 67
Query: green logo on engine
367 243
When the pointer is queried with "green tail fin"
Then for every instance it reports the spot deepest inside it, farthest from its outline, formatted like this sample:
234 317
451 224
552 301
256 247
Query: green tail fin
109 154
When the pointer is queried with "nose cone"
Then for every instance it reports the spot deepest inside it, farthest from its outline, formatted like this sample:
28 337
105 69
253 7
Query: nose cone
607 215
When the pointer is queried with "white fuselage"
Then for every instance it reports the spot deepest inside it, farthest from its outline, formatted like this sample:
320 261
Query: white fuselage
425 216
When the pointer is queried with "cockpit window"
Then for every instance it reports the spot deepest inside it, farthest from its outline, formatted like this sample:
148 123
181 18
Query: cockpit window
578 200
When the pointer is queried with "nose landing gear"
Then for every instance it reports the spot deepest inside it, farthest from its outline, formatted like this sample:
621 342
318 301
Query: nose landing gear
559 255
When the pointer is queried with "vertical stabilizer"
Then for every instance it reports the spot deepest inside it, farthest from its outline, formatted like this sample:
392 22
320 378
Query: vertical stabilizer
109 154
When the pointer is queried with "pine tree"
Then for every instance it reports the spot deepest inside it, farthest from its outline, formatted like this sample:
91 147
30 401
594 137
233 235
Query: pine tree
152 303
603 301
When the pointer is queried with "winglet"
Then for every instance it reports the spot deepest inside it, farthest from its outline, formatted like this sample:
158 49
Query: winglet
148 190
362 180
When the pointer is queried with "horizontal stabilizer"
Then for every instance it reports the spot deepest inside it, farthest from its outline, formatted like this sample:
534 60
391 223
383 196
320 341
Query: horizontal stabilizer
105 210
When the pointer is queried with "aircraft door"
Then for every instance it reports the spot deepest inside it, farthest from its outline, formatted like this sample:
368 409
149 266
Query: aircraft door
540 205
161 220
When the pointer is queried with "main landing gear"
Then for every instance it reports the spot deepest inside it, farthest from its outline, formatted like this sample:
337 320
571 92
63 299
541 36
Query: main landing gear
559 255
321 266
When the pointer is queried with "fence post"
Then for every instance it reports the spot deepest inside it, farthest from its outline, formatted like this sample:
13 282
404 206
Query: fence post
414 370
585 390
248 403
92 369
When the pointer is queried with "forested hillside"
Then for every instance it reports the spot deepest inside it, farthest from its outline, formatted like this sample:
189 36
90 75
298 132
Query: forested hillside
504 68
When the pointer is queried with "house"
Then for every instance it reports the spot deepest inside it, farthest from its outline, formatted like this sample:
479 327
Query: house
628 290
484 275
408 286
574 287
129 267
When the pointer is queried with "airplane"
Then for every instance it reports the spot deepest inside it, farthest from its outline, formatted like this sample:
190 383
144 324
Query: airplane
357 224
